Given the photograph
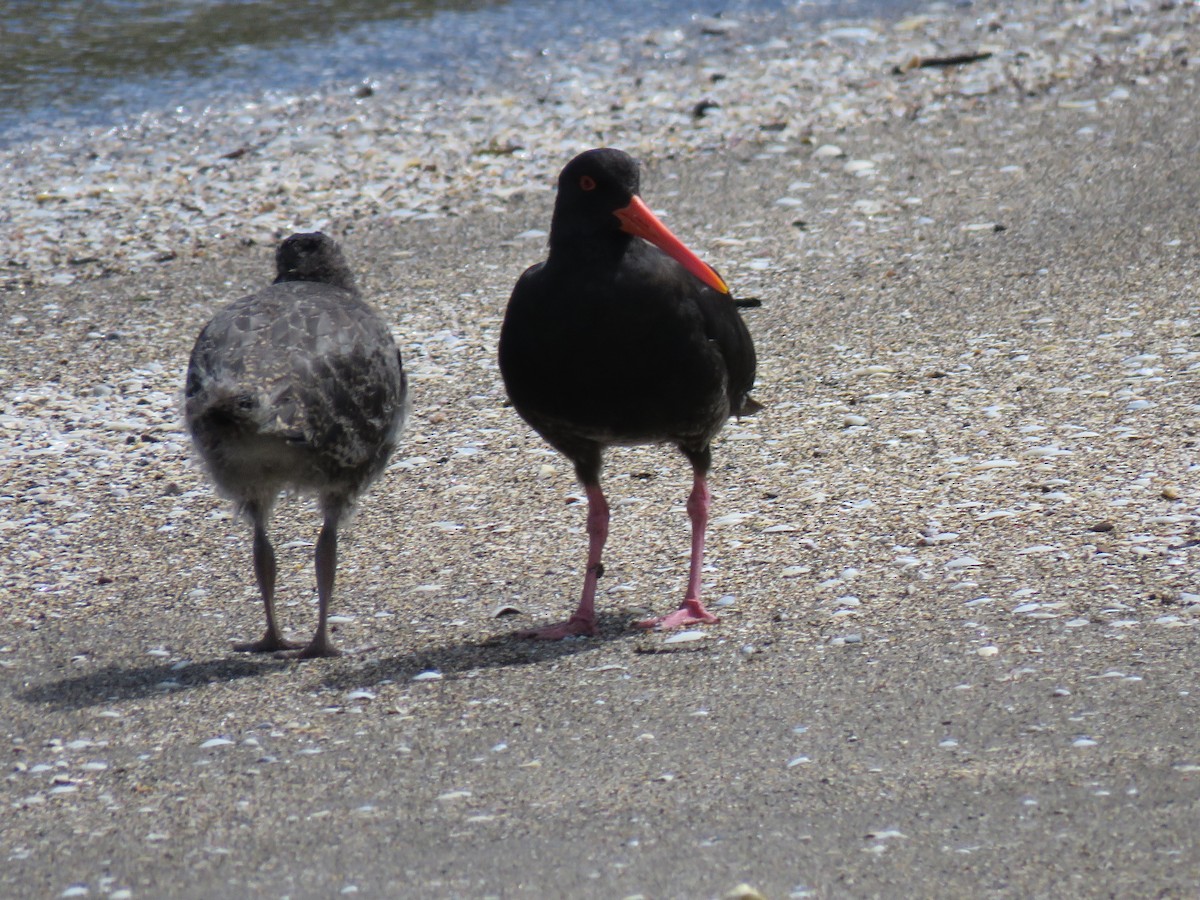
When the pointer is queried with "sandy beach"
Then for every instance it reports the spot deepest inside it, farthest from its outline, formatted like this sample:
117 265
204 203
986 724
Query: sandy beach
954 557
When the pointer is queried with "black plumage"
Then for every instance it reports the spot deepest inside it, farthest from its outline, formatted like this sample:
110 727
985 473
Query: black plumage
614 340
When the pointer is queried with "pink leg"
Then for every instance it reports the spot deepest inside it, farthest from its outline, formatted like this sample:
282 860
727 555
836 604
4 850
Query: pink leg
583 621
691 611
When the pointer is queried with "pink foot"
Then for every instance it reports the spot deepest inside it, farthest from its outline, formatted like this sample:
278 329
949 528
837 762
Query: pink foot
573 627
691 612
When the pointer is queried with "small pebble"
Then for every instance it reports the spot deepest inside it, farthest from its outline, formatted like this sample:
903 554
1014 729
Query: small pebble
683 637
745 892
964 562
859 167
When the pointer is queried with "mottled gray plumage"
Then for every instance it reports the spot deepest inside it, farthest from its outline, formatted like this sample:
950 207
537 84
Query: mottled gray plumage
298 387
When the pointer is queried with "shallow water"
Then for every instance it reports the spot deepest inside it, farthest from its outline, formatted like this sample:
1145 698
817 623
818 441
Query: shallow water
97 62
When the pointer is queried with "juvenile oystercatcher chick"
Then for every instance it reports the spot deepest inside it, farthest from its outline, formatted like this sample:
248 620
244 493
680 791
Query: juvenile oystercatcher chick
298 387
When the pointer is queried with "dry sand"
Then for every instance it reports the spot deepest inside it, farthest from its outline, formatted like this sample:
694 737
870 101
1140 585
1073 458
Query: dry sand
956 554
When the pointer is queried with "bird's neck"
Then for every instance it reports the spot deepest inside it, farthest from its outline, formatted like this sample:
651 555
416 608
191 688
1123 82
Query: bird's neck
338 276
582 246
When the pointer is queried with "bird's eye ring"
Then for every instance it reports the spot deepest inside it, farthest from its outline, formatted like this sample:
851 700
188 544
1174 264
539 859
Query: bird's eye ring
587 183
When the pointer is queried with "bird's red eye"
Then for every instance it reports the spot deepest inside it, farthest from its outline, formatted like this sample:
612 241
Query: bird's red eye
587 183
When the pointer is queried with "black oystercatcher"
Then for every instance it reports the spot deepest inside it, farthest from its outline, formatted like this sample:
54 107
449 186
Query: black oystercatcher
298 387
623 336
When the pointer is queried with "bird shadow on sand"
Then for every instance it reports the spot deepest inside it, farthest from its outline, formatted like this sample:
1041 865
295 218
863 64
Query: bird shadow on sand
116 683
499 651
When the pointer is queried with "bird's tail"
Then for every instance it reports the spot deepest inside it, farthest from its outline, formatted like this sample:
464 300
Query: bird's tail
223 409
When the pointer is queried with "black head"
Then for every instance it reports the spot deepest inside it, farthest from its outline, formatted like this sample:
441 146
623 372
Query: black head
598 212
591 188
312 257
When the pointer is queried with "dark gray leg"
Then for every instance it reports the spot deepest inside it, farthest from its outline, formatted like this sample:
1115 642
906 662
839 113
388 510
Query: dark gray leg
326 565
264 571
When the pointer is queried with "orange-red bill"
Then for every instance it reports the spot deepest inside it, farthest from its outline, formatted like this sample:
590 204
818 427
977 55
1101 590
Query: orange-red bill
637 219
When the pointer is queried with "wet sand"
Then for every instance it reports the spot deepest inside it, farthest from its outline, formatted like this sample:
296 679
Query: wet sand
956 553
